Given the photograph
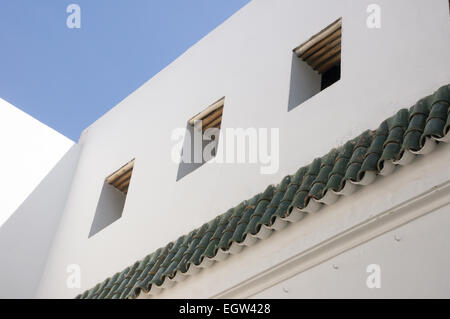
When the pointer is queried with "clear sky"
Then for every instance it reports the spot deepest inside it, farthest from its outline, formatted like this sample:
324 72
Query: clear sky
67 78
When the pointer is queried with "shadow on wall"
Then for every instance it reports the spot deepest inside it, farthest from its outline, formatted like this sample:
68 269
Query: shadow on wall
192 153
109 208
305 82
26 237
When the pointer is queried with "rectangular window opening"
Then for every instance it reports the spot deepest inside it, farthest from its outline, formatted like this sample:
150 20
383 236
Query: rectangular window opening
316 64
112 198
201 139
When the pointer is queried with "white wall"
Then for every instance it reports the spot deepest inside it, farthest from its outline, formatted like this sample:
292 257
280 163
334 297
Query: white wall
29 151
37 163
26 237
248 60
413 260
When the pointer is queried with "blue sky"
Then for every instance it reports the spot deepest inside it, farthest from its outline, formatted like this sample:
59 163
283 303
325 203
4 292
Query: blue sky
67 78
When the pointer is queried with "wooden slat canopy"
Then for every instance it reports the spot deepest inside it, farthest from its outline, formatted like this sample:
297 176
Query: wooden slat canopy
120 179
211 116
323 50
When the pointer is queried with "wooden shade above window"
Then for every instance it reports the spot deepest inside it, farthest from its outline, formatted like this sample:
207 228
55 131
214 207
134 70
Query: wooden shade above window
120 179
323 50
211 116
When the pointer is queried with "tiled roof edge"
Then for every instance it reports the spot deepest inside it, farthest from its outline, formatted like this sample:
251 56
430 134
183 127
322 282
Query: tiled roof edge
397 141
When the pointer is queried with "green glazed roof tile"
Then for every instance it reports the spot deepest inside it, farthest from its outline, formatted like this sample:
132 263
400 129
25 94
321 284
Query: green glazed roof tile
225 241
417 121
374 151
91 293
145 275
436 120
267 207
173 267
289 195
327 164
359 153
100 290
106 289
148 274
239 232
281 194
197 256
159 265
308 180
161 270
392 145
123 289
85 294
338 172
213 245
404 132
183 265
115 293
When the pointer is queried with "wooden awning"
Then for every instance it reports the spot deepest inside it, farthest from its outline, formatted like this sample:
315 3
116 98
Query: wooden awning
120 179
323 50
211 116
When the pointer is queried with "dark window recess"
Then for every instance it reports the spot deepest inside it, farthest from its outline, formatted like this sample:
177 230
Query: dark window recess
330 76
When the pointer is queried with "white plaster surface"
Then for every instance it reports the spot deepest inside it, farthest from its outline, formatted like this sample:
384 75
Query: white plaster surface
29 150
248 60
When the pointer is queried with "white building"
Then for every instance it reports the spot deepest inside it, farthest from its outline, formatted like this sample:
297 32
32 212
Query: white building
369 219
30 155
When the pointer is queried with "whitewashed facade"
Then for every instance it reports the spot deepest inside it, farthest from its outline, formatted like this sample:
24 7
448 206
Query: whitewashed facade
249 60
